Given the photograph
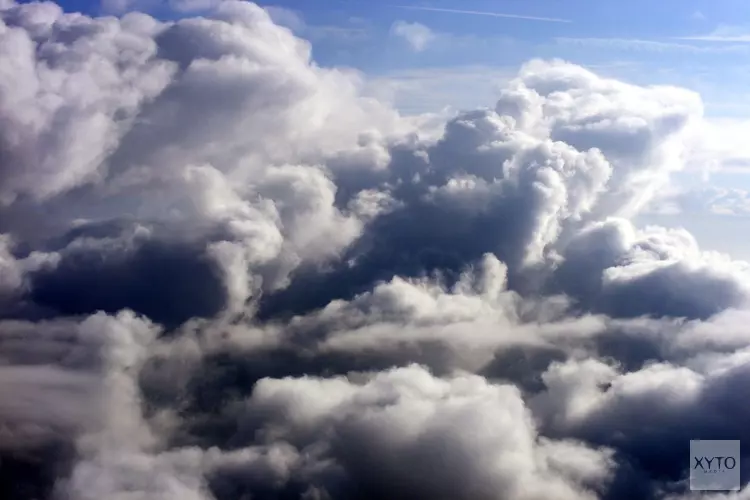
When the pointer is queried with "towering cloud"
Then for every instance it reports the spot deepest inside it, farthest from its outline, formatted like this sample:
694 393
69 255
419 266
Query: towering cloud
224 274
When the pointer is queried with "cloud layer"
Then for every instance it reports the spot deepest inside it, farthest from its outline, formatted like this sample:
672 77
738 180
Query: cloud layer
226 273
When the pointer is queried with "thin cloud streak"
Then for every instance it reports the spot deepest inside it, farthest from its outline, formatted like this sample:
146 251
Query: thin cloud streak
723 34
717 38
487 14
649 45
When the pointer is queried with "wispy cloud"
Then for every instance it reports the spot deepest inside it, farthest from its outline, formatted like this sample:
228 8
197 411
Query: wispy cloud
355 31
487 14
634 44
430 89
339 33
625 44
722 34
716 38
284 17
417 35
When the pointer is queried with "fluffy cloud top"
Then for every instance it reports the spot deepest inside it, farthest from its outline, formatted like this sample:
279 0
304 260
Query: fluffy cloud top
225 273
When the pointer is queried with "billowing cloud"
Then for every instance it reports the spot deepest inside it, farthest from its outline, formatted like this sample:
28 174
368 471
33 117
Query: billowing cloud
227 273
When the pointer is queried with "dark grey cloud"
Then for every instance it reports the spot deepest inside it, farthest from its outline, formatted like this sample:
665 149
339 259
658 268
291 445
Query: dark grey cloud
649 415
224 274
168 282
610 268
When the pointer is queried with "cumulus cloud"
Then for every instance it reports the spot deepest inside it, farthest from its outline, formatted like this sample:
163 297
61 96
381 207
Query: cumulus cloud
636 412
227 273
398 432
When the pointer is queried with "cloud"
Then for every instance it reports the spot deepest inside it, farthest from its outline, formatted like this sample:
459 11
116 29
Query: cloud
116 6
355 30
227 271
612 408
417 35
285 17
186 6
719 147
636 44
722 34
486 13
406 416
708 200
428 90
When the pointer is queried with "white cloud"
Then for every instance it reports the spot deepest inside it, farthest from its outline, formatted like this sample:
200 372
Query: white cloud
256 280
634 44
116 6
720 146
355 31
430 90
186 6
707 200
723 34
288 18
417 35
405 416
